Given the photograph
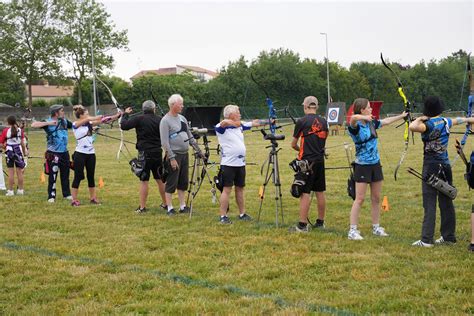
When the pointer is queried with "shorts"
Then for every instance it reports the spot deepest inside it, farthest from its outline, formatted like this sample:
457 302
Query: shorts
368 173
14 160
317 179
179 178
153 163
233 176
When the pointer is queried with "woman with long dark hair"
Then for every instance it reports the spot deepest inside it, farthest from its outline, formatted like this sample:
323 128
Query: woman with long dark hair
14 143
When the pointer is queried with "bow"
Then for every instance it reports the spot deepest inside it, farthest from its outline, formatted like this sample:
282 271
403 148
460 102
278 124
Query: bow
407 107
271 109
156 101
122 143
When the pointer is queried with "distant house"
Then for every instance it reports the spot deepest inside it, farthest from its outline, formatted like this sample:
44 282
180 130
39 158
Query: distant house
200 73
48 93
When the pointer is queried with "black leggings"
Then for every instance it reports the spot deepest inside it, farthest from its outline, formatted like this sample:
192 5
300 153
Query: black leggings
80 161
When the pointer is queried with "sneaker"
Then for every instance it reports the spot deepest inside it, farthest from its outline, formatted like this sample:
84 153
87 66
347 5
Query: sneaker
164 206
10 193
69 197
441 241
420 243
379 231
298 229
141 210
75 203
225 220
95 201
245 217
20 192
471 247
319 224
184 210
171 212
51 200
354 234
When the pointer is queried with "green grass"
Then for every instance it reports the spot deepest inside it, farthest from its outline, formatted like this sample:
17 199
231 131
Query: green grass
55 259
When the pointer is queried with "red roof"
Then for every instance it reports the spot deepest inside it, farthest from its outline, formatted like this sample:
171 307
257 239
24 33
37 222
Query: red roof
51 91
173 71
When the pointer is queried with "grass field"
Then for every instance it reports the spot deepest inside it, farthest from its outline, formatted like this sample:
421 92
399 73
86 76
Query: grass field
56 259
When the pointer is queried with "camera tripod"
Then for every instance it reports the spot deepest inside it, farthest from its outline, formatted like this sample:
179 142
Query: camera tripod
198 174
273 173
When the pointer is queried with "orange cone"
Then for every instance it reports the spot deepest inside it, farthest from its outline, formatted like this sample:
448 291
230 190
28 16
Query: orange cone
42 178
385 206
101 183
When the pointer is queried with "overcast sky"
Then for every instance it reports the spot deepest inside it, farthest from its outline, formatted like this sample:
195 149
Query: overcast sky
210 34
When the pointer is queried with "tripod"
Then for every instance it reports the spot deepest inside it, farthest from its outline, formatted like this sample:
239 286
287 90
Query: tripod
198 174
272 173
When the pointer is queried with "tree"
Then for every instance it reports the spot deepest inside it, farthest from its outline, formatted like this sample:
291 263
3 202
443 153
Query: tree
29 40
12 89
86 27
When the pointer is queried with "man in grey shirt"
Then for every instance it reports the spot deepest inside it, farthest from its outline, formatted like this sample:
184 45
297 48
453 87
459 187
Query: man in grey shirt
175 140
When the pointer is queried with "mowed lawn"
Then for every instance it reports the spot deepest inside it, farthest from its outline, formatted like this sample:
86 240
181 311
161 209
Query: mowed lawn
56 259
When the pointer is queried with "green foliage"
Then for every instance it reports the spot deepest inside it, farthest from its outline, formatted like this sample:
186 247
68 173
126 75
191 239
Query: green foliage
40 103
12 89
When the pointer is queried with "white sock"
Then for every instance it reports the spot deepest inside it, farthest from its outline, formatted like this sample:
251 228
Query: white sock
170 207
182 207
353 227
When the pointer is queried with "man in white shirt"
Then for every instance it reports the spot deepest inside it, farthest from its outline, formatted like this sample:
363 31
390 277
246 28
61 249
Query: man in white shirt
232 170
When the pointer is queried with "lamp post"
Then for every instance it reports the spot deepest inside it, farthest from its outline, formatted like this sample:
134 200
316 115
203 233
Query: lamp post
327 65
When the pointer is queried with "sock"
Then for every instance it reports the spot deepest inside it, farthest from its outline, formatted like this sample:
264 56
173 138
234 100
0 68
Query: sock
241 215
301 225
222 216
353 227
182 207
170 207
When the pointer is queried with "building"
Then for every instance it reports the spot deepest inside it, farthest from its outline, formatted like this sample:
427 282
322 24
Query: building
201 74
48 93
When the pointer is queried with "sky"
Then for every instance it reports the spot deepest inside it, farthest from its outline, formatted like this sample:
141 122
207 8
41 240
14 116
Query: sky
211 34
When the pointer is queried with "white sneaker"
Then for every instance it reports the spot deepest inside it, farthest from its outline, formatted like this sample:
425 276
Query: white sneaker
419 243
10 193
379 231
69 197
20 192
51 200
354 234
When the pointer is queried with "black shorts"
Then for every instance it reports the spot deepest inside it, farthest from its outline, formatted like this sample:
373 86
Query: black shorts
317 179
153 163
233 176
368 173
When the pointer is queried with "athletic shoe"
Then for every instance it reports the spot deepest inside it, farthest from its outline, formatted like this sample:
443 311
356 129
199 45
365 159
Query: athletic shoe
10 193
354 234
184 210
164 206
225 220
245 217
471 247
95 201
69 197
51 200
298 229
141 210
441 241
379 231
20 192
75 203
319 224
171 212
420 243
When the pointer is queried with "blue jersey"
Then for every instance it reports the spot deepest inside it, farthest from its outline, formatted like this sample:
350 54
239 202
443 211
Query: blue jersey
57 135
364 136
435 140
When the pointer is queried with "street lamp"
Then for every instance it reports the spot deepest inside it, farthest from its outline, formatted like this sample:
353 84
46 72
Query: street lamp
327 65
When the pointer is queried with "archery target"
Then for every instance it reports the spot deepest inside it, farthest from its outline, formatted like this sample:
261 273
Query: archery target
333 115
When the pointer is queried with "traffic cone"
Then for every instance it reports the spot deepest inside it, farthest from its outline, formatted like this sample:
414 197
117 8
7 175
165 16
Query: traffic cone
385 206
42 178
101 183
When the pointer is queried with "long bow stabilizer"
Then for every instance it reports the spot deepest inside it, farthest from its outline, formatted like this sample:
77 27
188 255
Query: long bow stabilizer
407 107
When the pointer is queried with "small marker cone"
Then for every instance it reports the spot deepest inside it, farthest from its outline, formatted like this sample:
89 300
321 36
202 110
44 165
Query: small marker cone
101 183
42 178
385 206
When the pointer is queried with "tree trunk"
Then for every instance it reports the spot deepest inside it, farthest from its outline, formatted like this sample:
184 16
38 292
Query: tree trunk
30 97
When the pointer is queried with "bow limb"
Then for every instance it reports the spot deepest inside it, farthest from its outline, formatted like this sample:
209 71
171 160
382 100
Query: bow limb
156 101
271 109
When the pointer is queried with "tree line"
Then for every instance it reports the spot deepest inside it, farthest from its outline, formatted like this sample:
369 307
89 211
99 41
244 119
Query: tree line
52 39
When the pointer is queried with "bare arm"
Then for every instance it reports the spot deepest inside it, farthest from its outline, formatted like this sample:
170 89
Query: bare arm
294 144
390 120
359 117
39 124
418 125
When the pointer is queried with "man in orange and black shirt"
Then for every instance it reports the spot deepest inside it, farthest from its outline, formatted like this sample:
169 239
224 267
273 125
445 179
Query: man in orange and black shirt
312 131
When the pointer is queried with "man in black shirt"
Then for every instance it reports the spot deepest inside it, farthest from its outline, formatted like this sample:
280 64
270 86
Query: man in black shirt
311 130
147 127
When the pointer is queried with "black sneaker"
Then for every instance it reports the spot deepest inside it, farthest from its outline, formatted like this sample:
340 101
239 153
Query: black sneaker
184 210
164 206
245 217
141 210
471 247
319 224
225 220
171 212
